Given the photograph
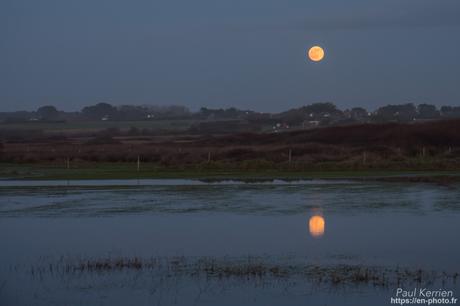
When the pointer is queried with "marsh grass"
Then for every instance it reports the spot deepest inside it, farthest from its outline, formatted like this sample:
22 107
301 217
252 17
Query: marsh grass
247 269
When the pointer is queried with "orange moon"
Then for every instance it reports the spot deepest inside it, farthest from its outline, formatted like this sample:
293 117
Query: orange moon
316 53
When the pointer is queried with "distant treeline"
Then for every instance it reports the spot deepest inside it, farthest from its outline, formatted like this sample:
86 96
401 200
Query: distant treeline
311 115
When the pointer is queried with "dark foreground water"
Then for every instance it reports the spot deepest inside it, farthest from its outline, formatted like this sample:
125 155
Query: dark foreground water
179 242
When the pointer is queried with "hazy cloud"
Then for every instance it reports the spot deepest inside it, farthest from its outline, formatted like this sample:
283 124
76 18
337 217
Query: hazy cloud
441 14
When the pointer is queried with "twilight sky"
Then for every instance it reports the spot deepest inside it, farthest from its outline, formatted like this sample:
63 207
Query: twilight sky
214 53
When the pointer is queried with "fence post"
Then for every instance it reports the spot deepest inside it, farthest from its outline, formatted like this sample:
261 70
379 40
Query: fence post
138 163
290 156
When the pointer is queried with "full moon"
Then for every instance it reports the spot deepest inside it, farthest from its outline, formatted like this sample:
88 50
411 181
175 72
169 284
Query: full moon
316 53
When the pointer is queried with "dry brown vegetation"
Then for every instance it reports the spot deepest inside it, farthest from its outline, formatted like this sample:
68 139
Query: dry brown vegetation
431 145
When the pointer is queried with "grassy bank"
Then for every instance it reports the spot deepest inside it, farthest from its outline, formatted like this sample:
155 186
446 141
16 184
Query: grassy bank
151 171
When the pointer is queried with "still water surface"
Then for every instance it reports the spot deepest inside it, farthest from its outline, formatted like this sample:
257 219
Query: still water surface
319 222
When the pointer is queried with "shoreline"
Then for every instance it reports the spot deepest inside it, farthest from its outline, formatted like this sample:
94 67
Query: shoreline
125 171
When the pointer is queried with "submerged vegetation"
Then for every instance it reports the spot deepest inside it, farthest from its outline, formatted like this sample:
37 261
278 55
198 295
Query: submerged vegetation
249 268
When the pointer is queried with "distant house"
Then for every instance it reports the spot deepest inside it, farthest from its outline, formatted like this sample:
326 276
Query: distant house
280 127
310 123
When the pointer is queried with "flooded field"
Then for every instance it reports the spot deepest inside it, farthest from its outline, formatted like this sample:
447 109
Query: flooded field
185 242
